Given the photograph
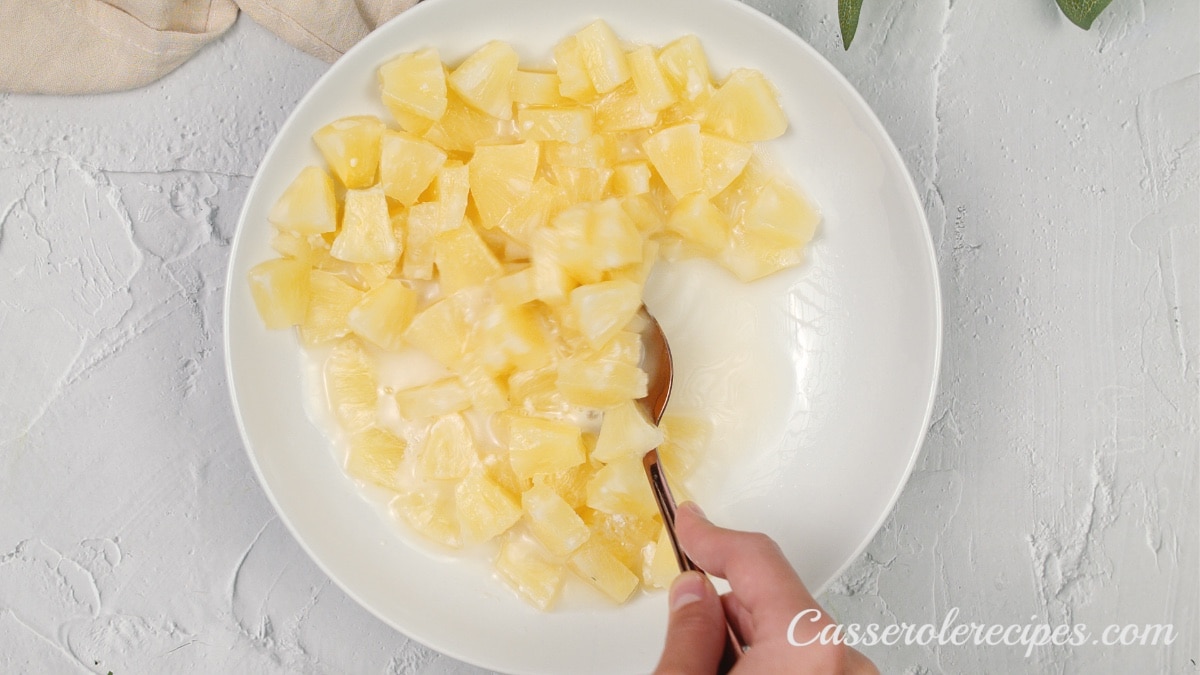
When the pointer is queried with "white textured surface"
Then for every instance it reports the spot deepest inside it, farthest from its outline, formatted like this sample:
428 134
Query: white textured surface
1061 175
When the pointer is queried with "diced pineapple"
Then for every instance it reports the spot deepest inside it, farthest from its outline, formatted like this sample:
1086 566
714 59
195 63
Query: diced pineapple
677 154
622 110
383 313
463 260
543 446
612 236
462 127
536 391
448 450
423 226
308 205
441 330
660 566
621 487
485 79
501 177
626 432
596 565
414 85
686 67
351 147
781 215
595 152
625 346
531 214
573 79
600 310
751 256
724 161
685 437
646 216
565 124
430 511
484 509
531 88
631 178
498 468
450 190
350 385
550 279
600 384
407 165
513 337
301 247
652 85
626 536
515 289
328 308
488 393
374 456
581 185
525 568
553 521
366 235
699 222
602 56
432 400
569 484
281 292
745 108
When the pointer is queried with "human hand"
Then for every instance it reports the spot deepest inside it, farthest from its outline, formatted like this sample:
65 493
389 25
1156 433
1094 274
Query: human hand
766 595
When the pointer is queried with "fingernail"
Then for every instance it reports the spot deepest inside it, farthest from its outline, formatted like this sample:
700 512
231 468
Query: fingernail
694 508
689 587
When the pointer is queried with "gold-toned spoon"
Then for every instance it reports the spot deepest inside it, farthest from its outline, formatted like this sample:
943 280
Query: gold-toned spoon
656 361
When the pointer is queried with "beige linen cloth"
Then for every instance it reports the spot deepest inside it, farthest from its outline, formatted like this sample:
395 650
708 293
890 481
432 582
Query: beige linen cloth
89 46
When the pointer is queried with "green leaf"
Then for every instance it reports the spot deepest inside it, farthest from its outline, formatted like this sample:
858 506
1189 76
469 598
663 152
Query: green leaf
1081 12
848 16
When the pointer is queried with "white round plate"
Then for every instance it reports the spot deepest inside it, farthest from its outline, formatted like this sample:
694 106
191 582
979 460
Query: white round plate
818 380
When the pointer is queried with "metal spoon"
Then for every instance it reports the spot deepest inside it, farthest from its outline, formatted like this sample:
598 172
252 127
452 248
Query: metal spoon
656 361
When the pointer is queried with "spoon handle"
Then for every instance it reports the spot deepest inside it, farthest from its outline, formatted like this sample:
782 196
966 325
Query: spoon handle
666 506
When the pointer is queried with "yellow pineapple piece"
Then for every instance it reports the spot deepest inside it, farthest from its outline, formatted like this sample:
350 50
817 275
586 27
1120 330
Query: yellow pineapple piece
677 154
366 235
626 536
281 292
308 205
596 565
513 337
620 487
686 67
501 177
374 457
463 260
600 310
463 126
644 213
745 108
536 391
441 330
652 85
350 385
631 178
551 281
543 446
432 400
553 521
414 85
597 151
423 226
488 393
407 165
602 56
599 384
532 213
622 110
573 79
515 289
351 147
525 568
568 124
660 566
625 346
328 308
581 185
301 247
699 222
626 432
569 484
448 451
485 79
430 511
498 469
724 161
383 314
751 256
484 509
531 88
781 215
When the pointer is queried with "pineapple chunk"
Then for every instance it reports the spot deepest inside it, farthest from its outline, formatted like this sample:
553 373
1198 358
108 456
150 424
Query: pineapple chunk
523 566
566 124
745 108
751 256
624 535
600 310
308 205
625 346
645 215
383 314
699 222
488 394
424 225
631 178
414 85
543 446
573 79
677 154
485 509
724 160
351 147
281 291
462 127
686 67
513 337
350 385
449 449
600 384
596 565
536 391
569 484
485 79
532 213
652 85
581 185
407 165
328 308
621 487
602 56
430 512
530 88
374 457
463 260
685 437
550 280
516 289
622 110
366 235
626 432
498 469
779 214
501 177
660 566
595 152
433 400
441 330
553 521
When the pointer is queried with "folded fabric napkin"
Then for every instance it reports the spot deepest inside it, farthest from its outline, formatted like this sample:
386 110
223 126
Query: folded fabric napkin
89 46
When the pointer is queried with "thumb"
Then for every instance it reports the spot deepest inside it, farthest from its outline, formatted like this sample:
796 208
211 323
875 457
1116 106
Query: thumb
696 629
